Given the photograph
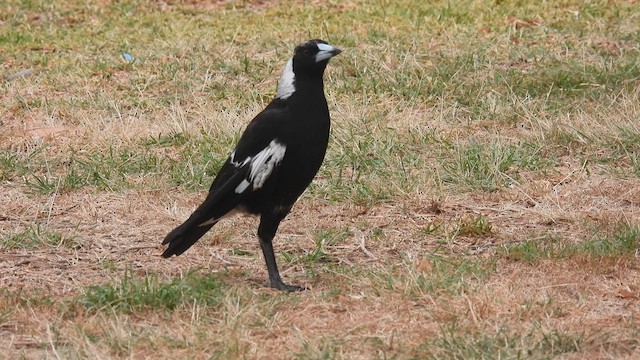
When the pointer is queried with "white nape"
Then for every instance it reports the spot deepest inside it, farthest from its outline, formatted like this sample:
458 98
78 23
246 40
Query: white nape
286 86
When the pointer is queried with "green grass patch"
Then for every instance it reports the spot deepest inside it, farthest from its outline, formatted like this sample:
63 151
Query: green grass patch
625 241
133 293
10 165
110 169
450 275
332 236
454 342
35 236
320 349
488 167
166 160
477 225
325 240
10 301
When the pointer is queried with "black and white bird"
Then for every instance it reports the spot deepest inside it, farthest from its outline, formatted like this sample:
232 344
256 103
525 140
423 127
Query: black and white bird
275 159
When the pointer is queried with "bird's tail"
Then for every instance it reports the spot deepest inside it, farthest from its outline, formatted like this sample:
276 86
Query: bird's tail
219 203
183 237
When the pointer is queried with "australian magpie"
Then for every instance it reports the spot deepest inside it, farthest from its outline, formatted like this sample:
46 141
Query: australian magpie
274 161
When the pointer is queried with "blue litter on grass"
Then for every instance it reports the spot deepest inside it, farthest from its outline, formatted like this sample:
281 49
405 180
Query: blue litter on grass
128 57
19 74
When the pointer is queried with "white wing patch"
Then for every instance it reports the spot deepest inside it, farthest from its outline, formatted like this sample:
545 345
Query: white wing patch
242 186
262 165
286 86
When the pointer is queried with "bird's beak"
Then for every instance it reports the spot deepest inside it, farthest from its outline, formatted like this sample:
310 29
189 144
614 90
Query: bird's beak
326 52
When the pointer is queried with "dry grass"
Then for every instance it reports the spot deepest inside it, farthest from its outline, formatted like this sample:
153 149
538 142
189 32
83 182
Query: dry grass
479 199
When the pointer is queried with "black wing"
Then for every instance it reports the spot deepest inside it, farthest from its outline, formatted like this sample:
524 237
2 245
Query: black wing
232 184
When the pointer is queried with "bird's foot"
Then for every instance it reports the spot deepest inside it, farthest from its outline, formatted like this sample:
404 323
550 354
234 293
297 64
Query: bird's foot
286 287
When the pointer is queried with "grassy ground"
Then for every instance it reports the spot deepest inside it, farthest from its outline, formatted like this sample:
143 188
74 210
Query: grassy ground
480 197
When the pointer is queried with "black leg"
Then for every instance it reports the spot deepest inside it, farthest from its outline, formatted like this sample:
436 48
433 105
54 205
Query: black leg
266 232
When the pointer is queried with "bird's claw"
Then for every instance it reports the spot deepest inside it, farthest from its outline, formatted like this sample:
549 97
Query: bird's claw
286 287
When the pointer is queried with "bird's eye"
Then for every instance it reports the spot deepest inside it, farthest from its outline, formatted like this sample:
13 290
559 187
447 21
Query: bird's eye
306 52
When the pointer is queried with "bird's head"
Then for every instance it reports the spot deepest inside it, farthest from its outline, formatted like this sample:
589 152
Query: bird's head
313 54
310 58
